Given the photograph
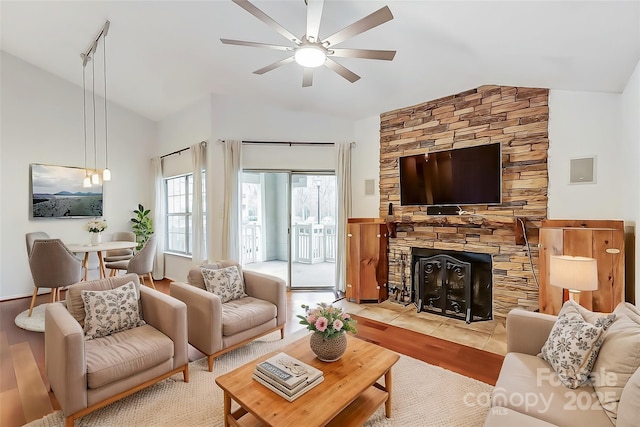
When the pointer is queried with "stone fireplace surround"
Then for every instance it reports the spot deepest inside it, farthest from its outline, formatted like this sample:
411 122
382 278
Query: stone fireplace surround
517 117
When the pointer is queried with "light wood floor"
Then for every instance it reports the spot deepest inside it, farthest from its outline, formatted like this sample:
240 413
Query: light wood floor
24 395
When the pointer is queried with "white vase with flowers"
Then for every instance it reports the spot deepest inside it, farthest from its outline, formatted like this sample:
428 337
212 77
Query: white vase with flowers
96 227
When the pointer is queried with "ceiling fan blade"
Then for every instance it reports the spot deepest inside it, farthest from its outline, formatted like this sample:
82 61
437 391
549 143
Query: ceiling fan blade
386 55
255 44
344 72
307 77
252 9
274 65
314 15
378 17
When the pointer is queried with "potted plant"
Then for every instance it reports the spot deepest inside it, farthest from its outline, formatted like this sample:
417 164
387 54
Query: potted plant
142 225
329 325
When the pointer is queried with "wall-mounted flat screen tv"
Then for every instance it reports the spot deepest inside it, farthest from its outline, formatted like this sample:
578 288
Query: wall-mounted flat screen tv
57 192
463 176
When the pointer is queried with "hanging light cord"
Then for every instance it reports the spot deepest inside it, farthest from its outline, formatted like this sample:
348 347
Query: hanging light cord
84 116
106 128
95 143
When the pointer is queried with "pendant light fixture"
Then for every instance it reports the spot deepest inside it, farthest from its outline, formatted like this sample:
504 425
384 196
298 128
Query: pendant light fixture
94 177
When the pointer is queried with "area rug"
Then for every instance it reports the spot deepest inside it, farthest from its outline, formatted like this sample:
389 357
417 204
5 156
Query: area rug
423 395
34 323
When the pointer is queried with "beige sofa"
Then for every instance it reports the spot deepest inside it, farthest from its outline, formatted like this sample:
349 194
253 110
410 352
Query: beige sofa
216 328
88 374
528 392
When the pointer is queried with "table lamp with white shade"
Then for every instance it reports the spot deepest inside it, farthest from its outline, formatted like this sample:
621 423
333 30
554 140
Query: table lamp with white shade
574 273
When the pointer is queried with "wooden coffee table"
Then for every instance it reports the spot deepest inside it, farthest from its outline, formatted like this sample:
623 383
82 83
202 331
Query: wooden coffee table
348 396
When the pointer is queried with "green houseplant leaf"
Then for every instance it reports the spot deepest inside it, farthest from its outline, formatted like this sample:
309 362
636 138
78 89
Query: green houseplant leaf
142 225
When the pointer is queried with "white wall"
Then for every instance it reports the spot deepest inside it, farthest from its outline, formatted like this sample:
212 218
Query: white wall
223 118
41 122
365 164
585 124
631 161
183 129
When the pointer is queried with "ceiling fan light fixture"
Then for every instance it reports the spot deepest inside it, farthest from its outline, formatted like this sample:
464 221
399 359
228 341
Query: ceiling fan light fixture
310 56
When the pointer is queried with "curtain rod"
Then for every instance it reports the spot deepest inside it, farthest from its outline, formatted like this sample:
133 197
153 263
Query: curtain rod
182 149
289 143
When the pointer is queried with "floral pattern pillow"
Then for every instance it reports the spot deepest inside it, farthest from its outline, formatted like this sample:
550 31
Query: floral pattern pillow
111 311
225 282
573 345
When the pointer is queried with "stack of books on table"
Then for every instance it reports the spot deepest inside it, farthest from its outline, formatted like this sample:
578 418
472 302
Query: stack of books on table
287 376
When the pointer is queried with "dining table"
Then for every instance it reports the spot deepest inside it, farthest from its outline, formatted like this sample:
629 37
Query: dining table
98 248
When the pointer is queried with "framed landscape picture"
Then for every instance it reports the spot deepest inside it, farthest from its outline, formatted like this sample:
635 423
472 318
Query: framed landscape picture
57 192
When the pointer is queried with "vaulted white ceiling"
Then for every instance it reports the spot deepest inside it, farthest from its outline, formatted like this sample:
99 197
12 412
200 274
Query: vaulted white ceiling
164 55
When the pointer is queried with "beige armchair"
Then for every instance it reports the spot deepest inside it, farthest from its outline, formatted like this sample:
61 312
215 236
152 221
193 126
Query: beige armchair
52 266
141 263
216 328
86 375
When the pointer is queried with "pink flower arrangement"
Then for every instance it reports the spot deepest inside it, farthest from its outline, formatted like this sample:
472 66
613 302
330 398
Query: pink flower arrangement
327 320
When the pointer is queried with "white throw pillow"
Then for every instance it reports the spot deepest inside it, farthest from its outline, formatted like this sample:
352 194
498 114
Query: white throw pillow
225 282
619 358
573 344
111 311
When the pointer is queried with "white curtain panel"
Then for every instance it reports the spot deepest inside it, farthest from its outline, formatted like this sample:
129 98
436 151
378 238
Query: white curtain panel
198 237
343 194
232 192
159 215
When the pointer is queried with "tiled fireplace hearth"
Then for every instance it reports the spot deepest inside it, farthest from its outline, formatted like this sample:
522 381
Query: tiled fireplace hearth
517 118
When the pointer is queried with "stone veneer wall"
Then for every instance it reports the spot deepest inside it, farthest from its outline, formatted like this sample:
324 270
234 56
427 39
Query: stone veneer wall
518 118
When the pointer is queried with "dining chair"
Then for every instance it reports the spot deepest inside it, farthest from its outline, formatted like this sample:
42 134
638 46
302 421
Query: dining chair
120 254
31 237
52 266
141 263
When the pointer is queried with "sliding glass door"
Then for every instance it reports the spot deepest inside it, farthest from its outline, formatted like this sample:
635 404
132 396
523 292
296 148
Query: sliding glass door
265 223
313 231
288 227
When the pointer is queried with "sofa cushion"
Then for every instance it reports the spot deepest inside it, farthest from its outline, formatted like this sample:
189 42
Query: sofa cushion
505 417
527 384
629 406
246 313
619 357
225 282
111 311
120 355
573 344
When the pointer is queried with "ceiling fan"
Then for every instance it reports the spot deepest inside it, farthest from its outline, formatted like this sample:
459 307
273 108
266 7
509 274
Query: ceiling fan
310 51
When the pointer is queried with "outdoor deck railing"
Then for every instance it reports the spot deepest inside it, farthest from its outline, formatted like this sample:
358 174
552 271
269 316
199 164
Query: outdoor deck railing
312 243
251 237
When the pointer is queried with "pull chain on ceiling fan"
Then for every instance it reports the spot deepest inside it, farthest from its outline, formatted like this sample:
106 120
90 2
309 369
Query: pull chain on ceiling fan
309 50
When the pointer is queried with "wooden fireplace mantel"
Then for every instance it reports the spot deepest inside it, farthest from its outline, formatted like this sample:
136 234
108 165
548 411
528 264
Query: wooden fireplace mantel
483 221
